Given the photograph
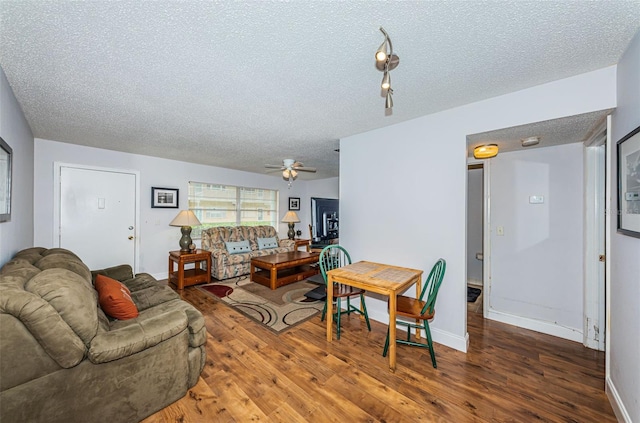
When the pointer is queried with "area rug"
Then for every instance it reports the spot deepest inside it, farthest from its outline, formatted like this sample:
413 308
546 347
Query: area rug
473 294
278 310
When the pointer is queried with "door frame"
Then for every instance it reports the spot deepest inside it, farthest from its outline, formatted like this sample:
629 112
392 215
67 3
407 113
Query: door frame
595 233
57 167
486 228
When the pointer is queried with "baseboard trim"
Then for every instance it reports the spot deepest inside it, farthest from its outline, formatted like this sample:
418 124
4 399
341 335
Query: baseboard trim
616 403
536 325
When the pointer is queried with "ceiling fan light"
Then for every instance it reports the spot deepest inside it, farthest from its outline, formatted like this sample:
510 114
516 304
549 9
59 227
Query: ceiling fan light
386 81
485 151
293 174
285 174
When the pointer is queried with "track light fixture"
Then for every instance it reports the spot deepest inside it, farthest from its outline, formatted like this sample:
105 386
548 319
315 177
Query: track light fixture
386 61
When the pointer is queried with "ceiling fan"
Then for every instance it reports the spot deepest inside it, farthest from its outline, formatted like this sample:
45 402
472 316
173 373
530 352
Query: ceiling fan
290 169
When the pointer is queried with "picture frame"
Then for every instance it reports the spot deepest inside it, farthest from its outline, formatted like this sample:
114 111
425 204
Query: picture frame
165 198
294 203
628 159
6 173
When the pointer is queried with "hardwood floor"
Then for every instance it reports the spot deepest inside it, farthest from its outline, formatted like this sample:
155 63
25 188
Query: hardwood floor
508 375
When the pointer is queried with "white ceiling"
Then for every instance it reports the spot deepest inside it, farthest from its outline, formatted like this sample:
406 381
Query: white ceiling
242 84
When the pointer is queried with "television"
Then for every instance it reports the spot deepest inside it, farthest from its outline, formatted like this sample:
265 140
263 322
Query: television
324 219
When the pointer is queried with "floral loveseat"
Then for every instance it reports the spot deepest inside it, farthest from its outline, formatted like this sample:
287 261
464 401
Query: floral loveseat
63 360
226 264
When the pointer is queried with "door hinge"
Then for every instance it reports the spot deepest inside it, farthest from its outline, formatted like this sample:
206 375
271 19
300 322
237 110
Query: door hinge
602 258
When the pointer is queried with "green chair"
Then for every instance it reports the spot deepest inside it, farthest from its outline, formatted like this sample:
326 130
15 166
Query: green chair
420 310
332 257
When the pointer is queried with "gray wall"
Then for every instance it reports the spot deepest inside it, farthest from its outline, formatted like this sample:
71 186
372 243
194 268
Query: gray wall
15 131
623 349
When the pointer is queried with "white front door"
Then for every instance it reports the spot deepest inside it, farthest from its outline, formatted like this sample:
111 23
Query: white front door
97 215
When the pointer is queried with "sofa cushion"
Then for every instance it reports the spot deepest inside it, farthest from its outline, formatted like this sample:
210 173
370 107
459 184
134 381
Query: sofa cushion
42 321
264 243
115 298
238 247
71 296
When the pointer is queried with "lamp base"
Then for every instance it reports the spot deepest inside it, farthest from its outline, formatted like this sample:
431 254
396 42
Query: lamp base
291 234
185 241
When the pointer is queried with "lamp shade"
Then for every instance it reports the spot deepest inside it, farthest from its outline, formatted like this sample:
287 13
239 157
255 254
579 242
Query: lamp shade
291 217
185 218
485 151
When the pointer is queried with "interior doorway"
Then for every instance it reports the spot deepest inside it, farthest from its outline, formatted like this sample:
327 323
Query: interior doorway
475 237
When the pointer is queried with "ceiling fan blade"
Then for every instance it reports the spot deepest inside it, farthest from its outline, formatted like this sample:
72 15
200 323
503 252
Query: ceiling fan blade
273 170
268 166
305 169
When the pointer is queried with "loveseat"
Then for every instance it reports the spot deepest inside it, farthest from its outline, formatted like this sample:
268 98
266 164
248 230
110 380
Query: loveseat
62 359
226 263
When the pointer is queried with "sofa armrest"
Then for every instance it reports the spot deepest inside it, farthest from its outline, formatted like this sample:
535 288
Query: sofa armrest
138 336
120 273
288 243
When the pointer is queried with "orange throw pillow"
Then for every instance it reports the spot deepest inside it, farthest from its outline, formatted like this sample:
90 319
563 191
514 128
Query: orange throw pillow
115 298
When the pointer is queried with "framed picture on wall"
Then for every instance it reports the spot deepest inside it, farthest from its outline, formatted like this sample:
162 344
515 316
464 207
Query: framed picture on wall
294 203
166 198
5 181
629 184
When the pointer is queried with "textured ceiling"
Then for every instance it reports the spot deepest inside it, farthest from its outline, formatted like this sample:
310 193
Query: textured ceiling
571 129
241 84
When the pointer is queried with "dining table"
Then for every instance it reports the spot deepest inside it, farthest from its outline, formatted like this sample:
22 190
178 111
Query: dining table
384 279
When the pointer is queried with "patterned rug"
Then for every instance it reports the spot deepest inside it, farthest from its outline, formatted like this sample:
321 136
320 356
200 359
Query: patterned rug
278 310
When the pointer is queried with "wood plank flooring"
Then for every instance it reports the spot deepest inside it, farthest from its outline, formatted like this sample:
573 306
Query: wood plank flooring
508 375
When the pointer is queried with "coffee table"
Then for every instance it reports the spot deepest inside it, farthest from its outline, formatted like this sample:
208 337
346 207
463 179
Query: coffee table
280 269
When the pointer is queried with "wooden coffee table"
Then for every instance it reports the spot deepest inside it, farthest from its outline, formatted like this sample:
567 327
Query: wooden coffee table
280 269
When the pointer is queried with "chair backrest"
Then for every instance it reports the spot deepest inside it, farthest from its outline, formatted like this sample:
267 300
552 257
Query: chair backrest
432 285
332 257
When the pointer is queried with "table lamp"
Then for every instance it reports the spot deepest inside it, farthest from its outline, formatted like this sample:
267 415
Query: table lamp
185 219
291 218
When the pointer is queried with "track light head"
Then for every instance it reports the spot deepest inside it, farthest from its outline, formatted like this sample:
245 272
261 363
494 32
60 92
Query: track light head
386 81
388 104
382 52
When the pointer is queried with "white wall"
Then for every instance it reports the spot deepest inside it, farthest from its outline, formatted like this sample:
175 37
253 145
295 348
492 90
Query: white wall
623 343
16 234
537 265
403 187
475 202
157 238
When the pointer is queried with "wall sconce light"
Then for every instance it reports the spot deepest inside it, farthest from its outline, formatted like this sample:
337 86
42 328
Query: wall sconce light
485 151
386 61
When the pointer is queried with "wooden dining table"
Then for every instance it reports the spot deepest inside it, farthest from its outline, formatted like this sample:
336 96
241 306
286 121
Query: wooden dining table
380 278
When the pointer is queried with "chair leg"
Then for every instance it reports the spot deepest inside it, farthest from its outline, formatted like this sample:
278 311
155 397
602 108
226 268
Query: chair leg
348 305
338 310
430 343
386 345
364 311
324 311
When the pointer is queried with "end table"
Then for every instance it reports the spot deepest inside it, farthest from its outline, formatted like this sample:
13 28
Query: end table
181 277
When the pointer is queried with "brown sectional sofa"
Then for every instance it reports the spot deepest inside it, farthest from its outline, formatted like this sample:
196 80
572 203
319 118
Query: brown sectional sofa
63 360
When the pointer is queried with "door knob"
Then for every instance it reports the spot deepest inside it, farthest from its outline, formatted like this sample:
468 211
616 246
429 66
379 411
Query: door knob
130 228
130 237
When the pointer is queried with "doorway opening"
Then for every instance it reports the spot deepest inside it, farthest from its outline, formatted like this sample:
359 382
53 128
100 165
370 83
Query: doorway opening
475 237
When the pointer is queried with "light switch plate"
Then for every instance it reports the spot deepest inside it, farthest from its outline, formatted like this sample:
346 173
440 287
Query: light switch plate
536 199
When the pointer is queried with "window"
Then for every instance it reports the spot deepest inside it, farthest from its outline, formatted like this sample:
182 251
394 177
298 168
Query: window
228 205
